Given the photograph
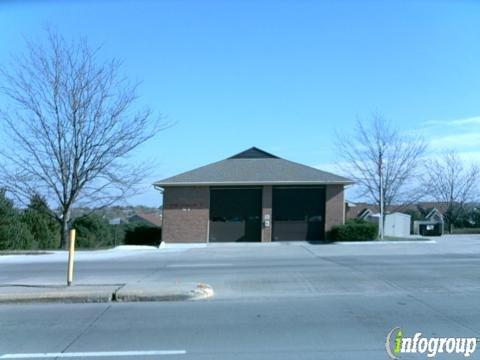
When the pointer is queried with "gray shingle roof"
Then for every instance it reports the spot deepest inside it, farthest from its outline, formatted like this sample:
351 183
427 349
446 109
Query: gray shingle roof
253 167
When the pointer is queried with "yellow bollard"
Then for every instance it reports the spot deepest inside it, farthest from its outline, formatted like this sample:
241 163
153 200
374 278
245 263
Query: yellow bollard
71 253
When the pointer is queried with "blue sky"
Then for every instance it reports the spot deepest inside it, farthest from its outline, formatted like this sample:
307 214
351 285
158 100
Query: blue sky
280 75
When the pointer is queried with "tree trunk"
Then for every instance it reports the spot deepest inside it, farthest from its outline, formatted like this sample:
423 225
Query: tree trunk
64 228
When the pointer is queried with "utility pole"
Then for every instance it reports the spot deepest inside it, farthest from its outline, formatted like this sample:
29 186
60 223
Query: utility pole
380 222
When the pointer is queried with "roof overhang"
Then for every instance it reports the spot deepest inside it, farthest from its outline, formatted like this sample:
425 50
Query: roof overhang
248 183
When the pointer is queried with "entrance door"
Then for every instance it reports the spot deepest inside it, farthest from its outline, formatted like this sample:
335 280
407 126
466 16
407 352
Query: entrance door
235 214
298 213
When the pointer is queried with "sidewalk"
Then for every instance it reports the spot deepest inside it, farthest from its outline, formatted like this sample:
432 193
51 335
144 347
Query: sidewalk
85 293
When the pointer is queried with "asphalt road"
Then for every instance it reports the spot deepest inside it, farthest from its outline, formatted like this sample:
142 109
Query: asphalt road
272 302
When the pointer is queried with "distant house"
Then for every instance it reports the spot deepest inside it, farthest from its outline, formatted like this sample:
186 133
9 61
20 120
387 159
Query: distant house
396 224
153 220
432 223
427 216
359 210
365 214
117 221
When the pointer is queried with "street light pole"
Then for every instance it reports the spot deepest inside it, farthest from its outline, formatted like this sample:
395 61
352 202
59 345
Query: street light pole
380 223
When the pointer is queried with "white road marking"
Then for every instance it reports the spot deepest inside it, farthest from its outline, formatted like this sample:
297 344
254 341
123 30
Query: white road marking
386 242
93 354
196 265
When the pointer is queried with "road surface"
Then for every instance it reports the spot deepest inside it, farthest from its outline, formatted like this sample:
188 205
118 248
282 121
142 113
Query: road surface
296 301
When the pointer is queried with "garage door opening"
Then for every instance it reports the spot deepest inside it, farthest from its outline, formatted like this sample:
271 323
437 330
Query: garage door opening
235 214
298 213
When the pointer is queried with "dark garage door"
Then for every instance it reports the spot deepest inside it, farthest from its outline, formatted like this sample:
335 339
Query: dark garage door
298 213
235 214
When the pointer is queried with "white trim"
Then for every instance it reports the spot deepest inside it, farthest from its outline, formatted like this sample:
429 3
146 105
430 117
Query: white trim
386 242
93 354
197 265
224 183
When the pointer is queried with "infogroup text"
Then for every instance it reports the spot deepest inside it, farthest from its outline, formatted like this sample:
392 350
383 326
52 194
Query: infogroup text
397 343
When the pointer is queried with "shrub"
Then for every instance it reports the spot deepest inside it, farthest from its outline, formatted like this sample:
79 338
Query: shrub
354 230
93 231
14 234
143 235
41 224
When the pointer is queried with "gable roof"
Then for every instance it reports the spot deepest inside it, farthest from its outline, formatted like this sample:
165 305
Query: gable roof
365 213
434 213
253 167
152 219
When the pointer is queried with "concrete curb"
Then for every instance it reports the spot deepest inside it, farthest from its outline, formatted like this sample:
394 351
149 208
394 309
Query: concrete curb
56 294
18 294
178 292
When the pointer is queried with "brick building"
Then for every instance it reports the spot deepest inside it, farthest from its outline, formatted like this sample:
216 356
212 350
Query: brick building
251 196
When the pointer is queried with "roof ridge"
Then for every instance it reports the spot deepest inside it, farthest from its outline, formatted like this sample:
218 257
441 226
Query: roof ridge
253 153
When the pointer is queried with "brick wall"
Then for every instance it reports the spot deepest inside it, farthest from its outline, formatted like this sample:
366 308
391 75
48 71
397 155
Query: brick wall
334 206
186 214
267 210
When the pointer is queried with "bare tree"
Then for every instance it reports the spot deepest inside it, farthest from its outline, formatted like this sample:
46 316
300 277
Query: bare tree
449 181
69 126
381 160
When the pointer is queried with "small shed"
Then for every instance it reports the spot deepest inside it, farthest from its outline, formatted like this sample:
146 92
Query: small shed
397 224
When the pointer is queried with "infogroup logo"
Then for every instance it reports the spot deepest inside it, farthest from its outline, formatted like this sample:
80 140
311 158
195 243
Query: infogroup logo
397 343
